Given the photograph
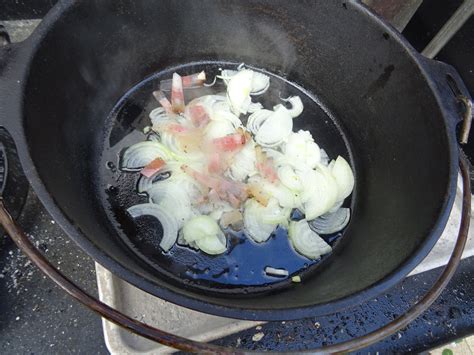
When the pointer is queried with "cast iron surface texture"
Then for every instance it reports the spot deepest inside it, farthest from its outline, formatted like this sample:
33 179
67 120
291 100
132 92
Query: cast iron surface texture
376 251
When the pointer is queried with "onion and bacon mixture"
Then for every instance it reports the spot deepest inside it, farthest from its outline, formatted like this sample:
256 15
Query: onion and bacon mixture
204 171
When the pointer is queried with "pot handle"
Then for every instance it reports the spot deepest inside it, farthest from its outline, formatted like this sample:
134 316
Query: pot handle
457 100
180 343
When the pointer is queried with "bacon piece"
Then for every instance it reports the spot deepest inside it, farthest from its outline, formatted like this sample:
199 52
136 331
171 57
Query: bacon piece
153 167
164 102
177 94
198 115
229 143
265 165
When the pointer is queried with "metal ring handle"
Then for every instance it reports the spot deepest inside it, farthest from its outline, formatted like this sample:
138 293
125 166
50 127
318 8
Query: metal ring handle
184 344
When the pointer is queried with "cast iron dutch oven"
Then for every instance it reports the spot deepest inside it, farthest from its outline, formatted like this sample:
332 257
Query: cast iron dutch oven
388 110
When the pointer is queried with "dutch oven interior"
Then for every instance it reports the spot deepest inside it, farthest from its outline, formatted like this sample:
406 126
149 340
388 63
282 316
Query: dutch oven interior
380 101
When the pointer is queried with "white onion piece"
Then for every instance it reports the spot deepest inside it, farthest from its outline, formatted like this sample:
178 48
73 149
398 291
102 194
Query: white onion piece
286 197
256 120
167 220
324 160
296 106
213 245
200 227
227 74
146 183
273 213
172 143
217 129
205 232
254 107
244 163
342 172
305 241
255 227
274 129
276 272
301 150
141 154
331 222
238 91
182 241
336 206
221 112
172 196
320 192
170 169
290 178
159 116
260 83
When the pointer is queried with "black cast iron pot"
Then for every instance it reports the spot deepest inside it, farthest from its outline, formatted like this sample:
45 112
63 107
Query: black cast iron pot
390 111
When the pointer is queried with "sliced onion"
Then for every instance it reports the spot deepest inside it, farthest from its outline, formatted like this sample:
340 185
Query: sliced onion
284 196
217 129
324 160
227 74
296 105
342 172
159 116
244 163
305 241
260 83
205 232
254 107
290 178
167 220
172 196
276 129
336 206
170 169
238 91
146 183
255 227
276 272
320 192
301 151
331 222
273 213
213 245
139 155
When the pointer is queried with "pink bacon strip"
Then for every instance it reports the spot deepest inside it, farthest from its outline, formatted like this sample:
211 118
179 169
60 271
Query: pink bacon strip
177 94
192 81
164 102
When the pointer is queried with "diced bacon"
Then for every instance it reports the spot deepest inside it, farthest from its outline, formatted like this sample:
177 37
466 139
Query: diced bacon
153 167
194 80
215 163
177 94
229 143
265 165
164 102
176 128
198 115
189 81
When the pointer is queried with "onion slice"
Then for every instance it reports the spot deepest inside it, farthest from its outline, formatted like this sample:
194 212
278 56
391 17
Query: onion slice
141 154
253 223
205 232
168 222
305 241
342 172
271 271
331 222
